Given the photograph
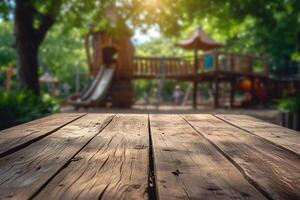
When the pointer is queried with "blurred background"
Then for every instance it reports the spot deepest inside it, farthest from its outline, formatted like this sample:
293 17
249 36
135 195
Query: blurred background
150 56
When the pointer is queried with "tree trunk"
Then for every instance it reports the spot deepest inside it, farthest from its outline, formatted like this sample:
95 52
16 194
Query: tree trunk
26 45
27 64
298 50
28 39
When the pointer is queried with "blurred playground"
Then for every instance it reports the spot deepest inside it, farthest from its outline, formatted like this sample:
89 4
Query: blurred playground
200 65
213 78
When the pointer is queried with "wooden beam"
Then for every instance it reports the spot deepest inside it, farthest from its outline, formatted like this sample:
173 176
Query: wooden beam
26 171
284 137
114 165
187 166
274 171
18 137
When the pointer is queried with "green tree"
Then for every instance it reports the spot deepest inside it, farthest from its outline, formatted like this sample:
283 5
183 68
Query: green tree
62 53
31 26
33 19
270 27
264 27
7 53
161 46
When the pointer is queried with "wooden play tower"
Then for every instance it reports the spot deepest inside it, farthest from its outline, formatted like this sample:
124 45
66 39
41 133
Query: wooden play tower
104 51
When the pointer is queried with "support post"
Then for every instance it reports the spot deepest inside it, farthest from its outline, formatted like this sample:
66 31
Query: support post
161 80
216 99
195 88
77 79
232 91
252 90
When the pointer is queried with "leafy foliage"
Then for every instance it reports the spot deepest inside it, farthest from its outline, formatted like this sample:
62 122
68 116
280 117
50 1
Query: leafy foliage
22 106
161 46
62 53
261 27
289 104
5 8
268 27
7 53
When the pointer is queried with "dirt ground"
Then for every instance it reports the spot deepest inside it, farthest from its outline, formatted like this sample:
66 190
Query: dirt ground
270 115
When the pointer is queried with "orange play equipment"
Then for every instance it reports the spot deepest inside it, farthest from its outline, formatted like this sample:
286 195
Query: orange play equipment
245 85
259 90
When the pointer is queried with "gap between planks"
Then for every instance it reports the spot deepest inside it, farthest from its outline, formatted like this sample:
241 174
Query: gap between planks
189 167
152 194
113 165
233 162
273 170
277 135
19 137
72 159
24 172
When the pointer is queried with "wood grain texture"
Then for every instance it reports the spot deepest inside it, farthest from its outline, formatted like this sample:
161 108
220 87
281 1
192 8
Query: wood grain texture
114 165
187 166
20 136
24 172
279 135
273 170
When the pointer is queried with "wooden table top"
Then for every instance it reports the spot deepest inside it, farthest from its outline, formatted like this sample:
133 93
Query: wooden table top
157 156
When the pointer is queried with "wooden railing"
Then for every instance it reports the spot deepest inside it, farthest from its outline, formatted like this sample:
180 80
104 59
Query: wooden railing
216 61
168 66
232 62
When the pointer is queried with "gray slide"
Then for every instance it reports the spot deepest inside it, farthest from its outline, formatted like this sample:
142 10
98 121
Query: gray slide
97 91
89 91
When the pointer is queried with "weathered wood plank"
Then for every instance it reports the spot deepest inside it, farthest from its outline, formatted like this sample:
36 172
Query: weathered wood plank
187 166
114 165
20 136
273 170
24 172
279 135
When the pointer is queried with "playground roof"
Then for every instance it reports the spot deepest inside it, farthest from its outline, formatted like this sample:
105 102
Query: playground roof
47 78
199 40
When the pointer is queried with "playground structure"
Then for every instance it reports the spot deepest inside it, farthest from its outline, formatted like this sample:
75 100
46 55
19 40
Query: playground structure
104 52
214 68
241 72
